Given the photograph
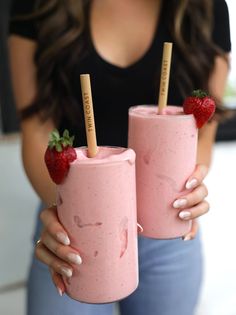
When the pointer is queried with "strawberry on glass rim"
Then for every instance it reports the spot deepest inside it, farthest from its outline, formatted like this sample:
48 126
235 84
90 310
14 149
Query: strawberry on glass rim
59 154
201 105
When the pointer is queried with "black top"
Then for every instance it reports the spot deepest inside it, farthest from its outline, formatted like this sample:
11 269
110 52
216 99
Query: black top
115 89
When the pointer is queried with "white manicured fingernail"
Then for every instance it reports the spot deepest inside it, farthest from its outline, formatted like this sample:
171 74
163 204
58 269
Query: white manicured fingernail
191 184
184 215
59 290
63 238
179 203
187 238
66 272
75 259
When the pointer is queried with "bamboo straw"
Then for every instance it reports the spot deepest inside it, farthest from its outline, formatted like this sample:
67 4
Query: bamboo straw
89 115
165 75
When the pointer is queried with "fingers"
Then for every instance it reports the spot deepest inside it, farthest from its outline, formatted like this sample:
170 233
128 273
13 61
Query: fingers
197 177
53 249
51 223
58 282
195 212
194 203
191 235
192 199
56 264
63 252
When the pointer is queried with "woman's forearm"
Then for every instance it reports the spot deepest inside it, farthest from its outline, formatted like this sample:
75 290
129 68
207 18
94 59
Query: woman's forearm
34 133
34 143
217 84
38 176
206 142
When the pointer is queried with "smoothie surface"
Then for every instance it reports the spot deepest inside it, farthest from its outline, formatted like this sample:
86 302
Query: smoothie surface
150 111
105 155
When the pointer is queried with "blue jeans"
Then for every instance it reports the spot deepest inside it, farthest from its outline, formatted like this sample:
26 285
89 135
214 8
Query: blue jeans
170 279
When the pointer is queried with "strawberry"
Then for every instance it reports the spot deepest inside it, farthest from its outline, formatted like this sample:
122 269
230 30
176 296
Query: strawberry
59 154
201 105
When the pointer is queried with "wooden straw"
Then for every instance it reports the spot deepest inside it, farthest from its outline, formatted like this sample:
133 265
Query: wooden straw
165 75
89 115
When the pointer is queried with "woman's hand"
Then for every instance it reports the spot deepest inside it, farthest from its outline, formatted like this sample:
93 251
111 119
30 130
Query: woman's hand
194 204
53 249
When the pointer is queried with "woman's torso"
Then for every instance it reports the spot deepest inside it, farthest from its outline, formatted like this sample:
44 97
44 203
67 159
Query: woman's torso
116 88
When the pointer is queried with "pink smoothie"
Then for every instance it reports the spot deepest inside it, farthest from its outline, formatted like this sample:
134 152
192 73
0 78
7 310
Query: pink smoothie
165 147
97 206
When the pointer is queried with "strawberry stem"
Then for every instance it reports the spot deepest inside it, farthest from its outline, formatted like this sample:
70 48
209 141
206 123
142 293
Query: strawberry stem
57 142
199 93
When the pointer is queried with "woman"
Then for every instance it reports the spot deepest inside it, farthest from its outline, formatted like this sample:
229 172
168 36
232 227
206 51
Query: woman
120 44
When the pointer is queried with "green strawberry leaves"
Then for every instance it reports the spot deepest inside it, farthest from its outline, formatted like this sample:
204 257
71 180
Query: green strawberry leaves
57 142
199 93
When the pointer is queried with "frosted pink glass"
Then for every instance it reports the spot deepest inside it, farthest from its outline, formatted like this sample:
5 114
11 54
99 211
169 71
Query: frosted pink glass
97 206
165 147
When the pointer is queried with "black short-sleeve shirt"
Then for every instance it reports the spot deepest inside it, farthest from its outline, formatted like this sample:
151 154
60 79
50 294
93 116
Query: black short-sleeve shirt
24 28
115 89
